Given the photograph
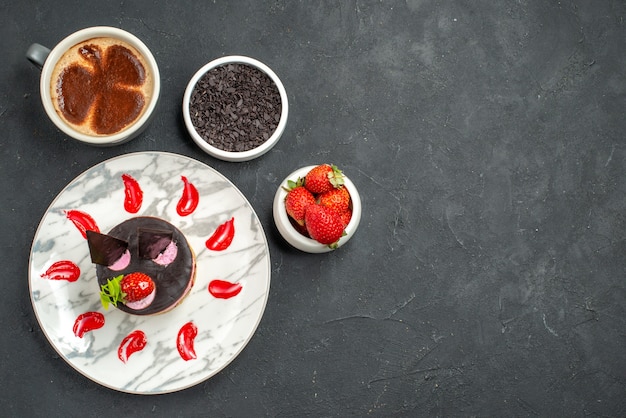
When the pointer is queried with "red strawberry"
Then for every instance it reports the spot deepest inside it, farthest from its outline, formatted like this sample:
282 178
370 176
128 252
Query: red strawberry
297 200
323 178
346 216
127 289
136 286
324 224
338 199
300 228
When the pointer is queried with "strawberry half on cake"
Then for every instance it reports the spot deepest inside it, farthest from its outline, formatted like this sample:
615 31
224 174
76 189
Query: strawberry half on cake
144 265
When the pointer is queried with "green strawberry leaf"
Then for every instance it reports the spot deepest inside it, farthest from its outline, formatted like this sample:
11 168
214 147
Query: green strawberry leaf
111 292
293 184
105 301
336 177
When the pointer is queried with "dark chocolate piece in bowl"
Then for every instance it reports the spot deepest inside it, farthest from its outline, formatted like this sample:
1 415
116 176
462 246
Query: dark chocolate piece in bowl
235 107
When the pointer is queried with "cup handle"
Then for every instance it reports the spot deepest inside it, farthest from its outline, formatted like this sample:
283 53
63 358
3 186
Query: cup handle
37 54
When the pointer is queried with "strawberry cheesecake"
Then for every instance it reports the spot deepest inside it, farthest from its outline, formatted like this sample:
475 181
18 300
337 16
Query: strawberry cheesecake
144 265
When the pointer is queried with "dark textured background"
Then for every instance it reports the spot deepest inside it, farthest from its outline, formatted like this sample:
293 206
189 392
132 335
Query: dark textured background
487 277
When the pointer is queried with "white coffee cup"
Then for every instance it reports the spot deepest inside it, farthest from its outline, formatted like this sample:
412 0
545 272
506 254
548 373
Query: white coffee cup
47 59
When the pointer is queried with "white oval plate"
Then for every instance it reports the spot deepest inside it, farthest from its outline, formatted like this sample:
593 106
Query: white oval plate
225 325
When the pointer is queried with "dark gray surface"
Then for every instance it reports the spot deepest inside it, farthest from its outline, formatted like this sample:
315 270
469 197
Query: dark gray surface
487 277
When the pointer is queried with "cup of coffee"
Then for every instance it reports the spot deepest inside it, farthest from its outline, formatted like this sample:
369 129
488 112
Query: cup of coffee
99 85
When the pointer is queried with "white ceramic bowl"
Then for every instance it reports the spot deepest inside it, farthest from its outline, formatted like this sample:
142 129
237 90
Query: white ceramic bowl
243 155
295 238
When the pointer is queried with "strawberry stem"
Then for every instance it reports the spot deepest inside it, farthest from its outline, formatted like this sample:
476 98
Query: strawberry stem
336 176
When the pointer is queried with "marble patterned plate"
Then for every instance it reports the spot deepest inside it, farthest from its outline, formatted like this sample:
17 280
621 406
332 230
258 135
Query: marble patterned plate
224 323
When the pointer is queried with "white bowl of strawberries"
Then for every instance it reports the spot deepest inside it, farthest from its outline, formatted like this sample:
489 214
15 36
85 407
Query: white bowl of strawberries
317 208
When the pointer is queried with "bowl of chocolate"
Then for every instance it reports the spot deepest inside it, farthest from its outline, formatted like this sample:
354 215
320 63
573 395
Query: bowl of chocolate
235 108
